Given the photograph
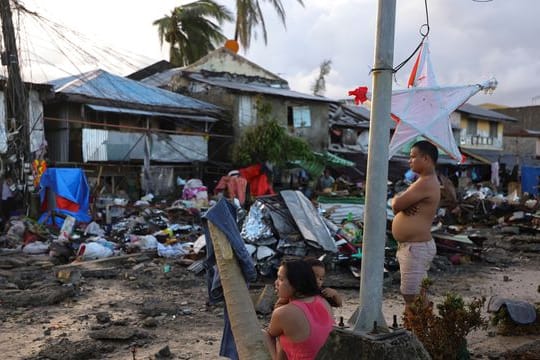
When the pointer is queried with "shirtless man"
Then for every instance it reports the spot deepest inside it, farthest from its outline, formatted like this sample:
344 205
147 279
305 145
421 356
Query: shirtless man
414 211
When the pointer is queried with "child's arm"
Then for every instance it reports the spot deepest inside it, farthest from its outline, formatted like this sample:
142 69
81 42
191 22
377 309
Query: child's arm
333 296
281 302
280 353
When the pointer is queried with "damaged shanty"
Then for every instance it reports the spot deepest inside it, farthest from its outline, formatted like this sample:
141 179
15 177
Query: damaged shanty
272 226
117 129
244 89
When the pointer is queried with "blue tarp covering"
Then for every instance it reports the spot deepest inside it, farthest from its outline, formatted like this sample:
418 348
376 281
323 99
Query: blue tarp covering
71 185
530 179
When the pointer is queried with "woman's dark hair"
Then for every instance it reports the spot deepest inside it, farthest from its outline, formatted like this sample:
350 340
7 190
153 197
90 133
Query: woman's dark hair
427 148
301 277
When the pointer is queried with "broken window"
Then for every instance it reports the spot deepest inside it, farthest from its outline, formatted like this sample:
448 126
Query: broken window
472 127
245 111
493 129
299 117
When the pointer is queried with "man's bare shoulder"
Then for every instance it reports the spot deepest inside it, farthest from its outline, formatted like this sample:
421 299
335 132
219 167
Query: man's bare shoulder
426 183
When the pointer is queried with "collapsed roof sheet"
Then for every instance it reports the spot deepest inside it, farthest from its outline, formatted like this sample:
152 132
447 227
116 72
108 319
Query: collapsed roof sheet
308 220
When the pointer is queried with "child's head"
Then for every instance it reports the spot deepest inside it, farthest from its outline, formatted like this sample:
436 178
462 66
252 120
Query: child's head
318 269
295 279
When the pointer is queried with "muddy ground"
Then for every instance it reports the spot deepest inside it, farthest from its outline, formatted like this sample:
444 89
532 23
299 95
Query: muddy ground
144 307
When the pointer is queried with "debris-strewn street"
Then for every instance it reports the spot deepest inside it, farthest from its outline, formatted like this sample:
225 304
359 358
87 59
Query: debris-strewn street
140 306
132 282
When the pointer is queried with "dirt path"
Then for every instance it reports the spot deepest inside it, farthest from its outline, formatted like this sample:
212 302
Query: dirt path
520 281
145 309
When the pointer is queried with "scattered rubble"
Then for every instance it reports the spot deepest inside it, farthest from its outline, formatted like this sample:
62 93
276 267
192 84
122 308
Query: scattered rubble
148 243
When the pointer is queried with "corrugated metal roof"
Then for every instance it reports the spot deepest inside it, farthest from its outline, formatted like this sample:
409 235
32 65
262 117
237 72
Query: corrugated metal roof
477 111
255 88
149 113
341 211
162 79
348 115
99 84
485 156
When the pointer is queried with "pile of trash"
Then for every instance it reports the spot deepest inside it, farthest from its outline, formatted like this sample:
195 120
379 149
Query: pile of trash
170 232
273 227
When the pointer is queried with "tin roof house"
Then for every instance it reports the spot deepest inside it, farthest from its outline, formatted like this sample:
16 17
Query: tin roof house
101 119
244 88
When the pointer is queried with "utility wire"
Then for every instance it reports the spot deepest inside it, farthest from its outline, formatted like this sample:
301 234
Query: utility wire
70 44
424 32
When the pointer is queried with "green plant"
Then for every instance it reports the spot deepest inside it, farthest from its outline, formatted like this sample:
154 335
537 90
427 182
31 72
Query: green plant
268 141
444 335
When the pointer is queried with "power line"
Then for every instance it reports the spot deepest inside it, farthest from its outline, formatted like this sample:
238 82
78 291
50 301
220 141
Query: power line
71 46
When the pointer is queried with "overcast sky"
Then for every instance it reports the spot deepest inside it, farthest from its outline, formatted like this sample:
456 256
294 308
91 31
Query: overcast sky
470 42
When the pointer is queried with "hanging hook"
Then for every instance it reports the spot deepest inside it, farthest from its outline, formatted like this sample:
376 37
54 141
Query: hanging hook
424 30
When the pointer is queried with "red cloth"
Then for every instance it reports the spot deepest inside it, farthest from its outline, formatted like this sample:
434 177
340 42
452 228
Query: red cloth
257 179
235 185
61 203
360 94
65 204
320 324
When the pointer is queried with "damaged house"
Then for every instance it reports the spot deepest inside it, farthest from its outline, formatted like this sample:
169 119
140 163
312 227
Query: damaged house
349 137
481 138
9 134
244 89
522 145
478 133
120 128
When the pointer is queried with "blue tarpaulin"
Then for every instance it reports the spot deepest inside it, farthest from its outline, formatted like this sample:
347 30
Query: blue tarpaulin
530 179
70 190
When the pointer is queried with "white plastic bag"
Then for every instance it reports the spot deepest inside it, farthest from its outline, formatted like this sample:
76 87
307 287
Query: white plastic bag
174 250
93 250
146 242
36 247
94 229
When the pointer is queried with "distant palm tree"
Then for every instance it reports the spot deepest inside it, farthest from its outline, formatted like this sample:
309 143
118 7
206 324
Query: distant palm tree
249 16
190 31
319 87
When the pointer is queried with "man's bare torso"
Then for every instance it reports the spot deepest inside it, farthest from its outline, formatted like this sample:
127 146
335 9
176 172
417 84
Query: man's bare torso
416 226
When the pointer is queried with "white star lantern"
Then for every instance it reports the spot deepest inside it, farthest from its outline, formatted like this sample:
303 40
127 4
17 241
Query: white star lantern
425 111
424 108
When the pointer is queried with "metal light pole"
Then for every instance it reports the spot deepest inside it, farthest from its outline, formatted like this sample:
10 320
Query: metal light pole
371 282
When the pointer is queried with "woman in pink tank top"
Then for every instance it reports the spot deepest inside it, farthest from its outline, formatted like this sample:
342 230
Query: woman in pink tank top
303 325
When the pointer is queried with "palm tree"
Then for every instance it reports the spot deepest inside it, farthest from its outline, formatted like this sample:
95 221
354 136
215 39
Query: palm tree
319 87
249 16
190 31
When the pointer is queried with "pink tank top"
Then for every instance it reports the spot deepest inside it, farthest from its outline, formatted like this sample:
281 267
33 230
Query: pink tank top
320 323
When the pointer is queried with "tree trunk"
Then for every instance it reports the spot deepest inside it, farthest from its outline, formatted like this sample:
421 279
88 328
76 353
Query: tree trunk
245 326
